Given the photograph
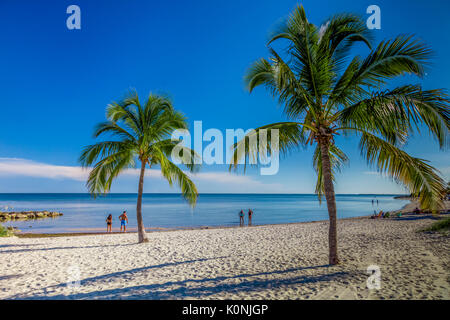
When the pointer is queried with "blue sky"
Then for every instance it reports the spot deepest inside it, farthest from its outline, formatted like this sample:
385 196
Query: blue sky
55 83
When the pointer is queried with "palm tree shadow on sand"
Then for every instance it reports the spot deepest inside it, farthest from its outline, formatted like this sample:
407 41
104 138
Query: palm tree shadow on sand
191 288
65 248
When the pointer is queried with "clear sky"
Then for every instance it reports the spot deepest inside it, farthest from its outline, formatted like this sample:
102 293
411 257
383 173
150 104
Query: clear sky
55 83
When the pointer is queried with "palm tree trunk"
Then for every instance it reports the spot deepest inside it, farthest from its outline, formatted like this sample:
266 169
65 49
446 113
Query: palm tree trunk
331 202
140 223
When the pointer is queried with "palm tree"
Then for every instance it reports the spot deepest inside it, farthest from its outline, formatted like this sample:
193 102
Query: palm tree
324 93
142 135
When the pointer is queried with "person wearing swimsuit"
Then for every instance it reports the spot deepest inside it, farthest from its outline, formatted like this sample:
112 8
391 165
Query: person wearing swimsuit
241 218
109 223
250 214
123 221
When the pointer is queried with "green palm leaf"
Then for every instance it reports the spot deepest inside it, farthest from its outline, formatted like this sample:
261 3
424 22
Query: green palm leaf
414 173
290 135
324 90
143 136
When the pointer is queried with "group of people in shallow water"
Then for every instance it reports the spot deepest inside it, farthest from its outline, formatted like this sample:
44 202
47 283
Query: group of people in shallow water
123 222
241 217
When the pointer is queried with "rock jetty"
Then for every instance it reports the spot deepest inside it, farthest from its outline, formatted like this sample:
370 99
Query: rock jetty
28 215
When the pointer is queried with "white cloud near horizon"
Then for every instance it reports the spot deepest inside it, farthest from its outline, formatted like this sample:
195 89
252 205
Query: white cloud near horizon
371 172
28 168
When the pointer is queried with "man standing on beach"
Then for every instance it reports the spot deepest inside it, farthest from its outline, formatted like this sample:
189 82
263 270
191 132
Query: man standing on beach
250 214
123 221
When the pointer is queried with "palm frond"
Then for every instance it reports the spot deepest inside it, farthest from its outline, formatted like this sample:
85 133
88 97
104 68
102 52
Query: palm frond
340 33
155 107
392 58
103 149
114 129
174 174
144 133
312 66
123 112
246 151
107 169
189 157
259 73
393 113
414 173
281 81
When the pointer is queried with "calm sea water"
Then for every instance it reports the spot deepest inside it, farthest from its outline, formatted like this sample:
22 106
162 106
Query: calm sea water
83 213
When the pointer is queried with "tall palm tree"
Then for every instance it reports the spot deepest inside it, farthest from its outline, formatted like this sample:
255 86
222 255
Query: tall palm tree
325 92
142 135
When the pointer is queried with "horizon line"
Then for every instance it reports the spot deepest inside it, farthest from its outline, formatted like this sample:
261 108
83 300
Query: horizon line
200 193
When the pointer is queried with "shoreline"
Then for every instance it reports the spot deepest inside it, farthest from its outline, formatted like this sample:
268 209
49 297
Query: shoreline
406 209
223 218
157 230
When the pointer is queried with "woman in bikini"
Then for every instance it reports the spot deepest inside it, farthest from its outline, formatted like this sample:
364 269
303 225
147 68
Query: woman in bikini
250 215
109 223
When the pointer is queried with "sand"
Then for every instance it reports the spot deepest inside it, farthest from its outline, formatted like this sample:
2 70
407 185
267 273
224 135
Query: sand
261 262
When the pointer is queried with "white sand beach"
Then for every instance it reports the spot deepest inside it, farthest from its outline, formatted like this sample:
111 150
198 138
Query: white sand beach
261 262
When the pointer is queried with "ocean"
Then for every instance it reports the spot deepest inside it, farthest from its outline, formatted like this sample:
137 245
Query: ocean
82 213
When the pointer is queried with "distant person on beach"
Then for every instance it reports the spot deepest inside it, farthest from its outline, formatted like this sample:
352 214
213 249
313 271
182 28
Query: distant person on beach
416 211
250 214
241 218
123 221
109 223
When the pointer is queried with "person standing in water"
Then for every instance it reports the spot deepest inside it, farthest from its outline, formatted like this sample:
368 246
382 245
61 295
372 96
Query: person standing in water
109 223
241 218
250 214
123 221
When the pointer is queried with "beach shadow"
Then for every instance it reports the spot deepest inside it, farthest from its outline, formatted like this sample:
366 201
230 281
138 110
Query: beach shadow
415 217
12 276
16 245
96 280
64 248
184 288
207 287
131 272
